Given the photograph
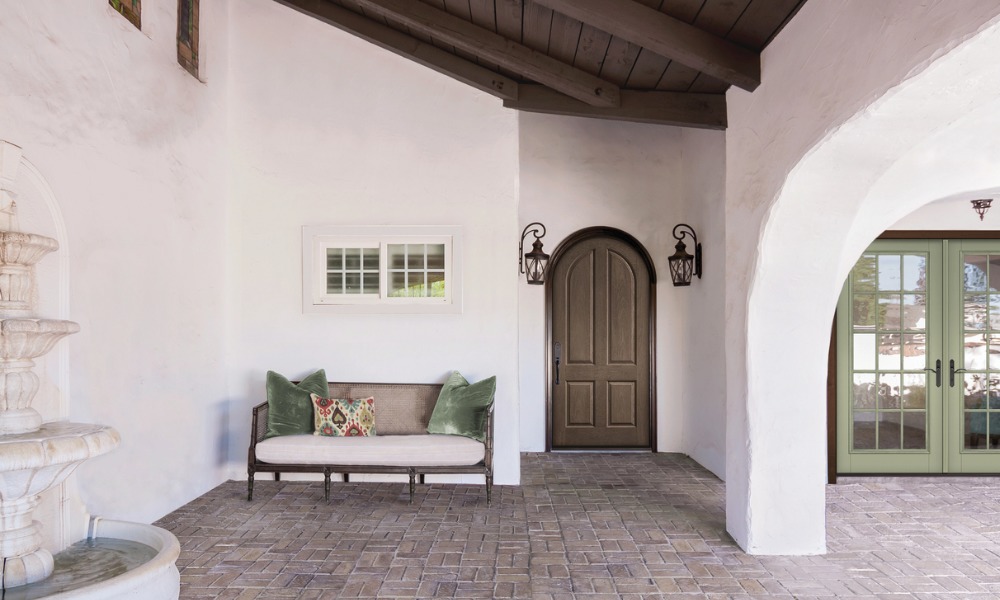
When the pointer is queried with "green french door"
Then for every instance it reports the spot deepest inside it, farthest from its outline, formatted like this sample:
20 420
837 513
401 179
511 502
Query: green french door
918 362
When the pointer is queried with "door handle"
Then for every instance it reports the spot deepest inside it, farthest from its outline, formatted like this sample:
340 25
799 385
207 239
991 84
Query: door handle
558 355
952 371
937 372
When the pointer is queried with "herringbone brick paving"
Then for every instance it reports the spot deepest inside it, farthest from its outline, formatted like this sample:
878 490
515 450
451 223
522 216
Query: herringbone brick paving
583 527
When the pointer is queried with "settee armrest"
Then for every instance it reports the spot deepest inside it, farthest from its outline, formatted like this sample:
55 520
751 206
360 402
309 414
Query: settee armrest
258 426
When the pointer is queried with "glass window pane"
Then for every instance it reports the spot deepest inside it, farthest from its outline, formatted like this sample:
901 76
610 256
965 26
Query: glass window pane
889 312
975 390
914 311
397 284
914 431
397 256
914 390
889 351
352 258
975 273
975 430
435 256
415 285
335 259
864 430
975 311
334 283
974 351
888 391
435 284
864 311
994 274
865 391
994 354
352 283
371 259
414 256
914 352
864 274
864 351
370 282
914 273
889 426
889 272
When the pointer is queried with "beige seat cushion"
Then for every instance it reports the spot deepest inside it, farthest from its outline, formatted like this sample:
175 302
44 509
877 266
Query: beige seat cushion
426 450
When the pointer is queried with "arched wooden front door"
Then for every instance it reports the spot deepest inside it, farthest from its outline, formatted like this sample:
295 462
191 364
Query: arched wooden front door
600 299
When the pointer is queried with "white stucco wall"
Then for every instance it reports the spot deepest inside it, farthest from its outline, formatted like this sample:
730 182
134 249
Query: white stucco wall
701 351
795 224
132 148
330 130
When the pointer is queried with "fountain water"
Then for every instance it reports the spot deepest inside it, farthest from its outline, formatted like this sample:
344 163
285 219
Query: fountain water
37 456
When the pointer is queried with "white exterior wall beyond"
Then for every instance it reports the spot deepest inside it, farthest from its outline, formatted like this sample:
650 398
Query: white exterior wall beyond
330 130
701 351
133 149
785 262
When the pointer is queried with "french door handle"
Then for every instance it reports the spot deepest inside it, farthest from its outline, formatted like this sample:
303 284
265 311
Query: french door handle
937 372
952 371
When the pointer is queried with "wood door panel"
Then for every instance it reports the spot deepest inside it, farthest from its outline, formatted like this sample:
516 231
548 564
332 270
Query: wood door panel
622 334
579 316
622 404
580 404
600 302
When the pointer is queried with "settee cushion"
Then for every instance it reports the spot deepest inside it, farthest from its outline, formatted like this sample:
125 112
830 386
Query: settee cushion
344 417
289 409
383 450
462 407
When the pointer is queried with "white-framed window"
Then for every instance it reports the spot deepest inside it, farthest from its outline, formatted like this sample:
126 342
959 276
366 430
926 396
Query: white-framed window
381 269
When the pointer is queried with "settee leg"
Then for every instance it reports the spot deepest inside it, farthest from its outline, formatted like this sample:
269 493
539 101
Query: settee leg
326 484
413 477
249 485
489 489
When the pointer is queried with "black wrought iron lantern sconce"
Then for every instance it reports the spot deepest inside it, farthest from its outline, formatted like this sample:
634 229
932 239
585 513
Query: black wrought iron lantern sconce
533 263
682 265
981 206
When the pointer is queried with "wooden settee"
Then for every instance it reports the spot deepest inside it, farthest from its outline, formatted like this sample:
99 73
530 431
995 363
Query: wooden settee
401 444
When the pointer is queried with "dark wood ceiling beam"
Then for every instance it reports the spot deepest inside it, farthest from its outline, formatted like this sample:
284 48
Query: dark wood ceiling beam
704 111
668 37
407 46
488 45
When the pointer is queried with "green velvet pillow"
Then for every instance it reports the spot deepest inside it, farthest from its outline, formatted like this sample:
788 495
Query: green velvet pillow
289 407
462 407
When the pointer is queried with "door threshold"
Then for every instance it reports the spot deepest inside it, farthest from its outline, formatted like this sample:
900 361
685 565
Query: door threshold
602 450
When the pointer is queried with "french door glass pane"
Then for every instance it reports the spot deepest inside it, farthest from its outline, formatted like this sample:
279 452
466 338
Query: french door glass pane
981 350
889 352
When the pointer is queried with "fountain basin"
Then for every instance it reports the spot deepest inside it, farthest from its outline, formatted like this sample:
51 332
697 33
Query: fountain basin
84 572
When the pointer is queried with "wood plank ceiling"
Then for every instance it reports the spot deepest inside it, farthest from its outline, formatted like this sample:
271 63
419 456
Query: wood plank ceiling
653 61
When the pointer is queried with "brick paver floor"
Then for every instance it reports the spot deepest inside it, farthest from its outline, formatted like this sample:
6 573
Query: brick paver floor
582 526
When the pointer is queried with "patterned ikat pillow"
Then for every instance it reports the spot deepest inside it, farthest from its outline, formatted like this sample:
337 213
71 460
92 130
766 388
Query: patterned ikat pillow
343 417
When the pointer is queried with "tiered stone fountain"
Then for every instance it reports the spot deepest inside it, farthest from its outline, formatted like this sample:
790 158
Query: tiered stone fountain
37 456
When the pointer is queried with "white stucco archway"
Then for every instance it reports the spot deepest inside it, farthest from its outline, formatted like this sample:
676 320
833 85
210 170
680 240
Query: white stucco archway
931 136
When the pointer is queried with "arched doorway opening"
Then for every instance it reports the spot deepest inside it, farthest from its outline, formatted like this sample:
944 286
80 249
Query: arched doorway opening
601 328
920 142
